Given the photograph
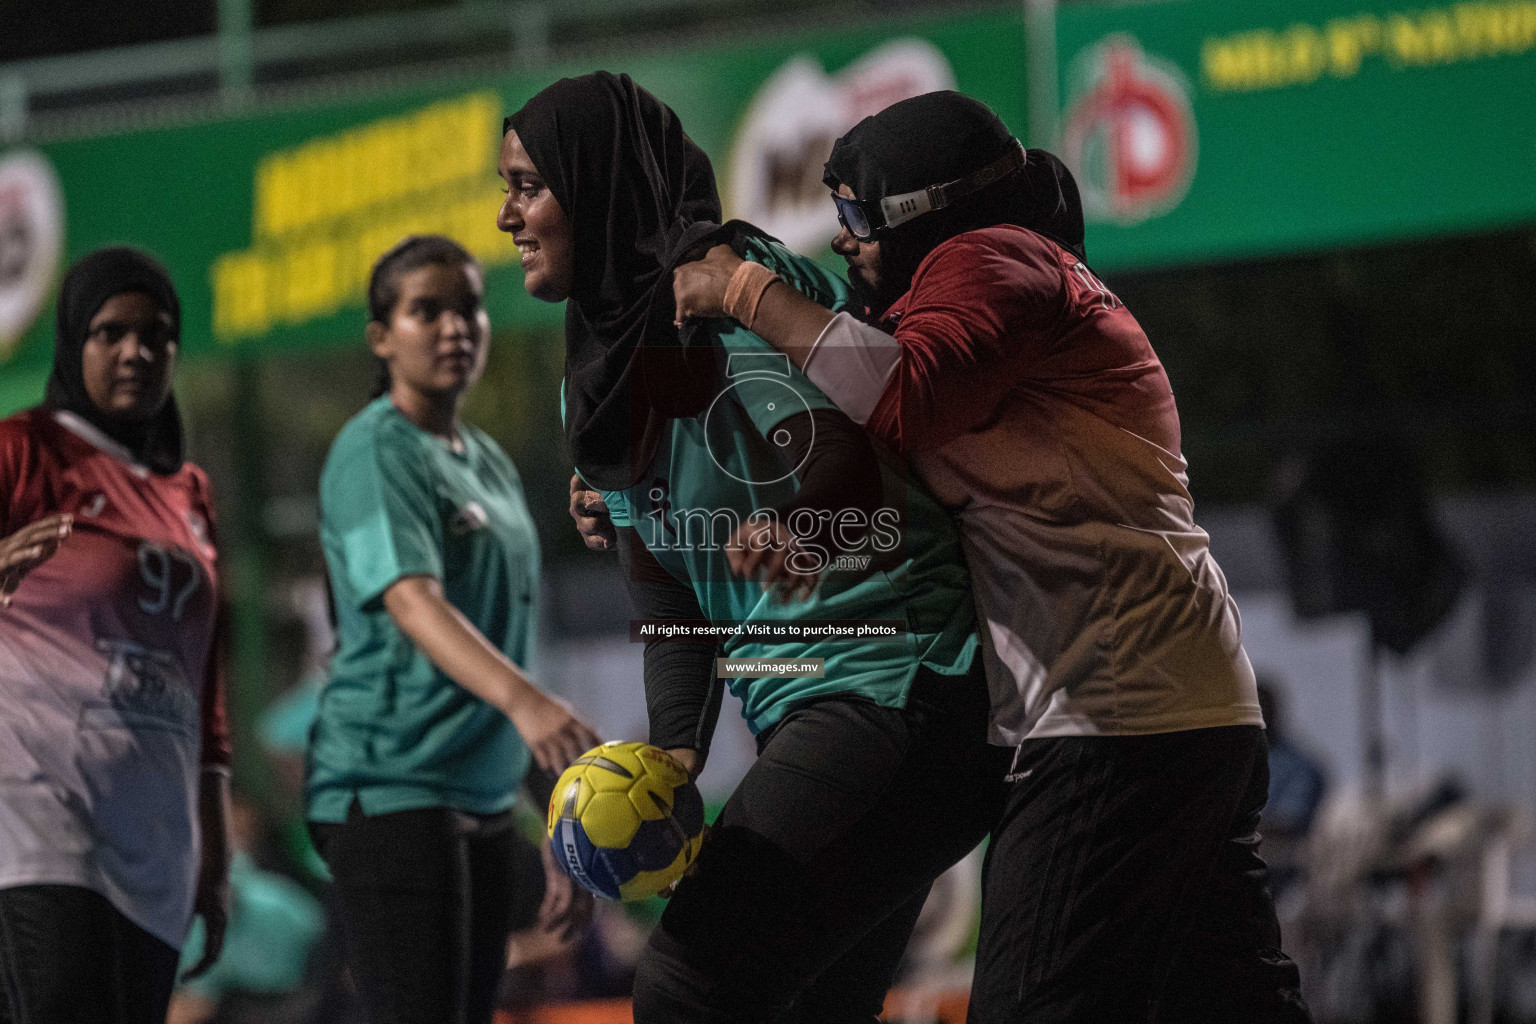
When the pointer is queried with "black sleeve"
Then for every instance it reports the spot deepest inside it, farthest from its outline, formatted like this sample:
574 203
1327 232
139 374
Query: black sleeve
540 784
682 694
838 470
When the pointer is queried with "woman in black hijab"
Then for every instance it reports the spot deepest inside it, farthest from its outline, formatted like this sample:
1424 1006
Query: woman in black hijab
873 777
630 229
114 754
147 424
1122 883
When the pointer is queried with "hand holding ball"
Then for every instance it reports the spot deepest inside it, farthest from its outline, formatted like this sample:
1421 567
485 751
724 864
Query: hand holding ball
625 821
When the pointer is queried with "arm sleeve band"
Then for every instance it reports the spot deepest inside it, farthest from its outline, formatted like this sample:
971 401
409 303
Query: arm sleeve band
853 363
682 694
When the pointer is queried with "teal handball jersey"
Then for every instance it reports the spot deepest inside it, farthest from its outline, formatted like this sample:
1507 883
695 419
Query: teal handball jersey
712 472
392 730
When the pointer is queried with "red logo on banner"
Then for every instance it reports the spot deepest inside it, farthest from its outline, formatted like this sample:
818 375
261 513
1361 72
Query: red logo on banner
1130 133
31 241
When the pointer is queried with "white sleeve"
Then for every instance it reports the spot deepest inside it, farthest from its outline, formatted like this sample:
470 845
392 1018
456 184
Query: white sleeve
853 363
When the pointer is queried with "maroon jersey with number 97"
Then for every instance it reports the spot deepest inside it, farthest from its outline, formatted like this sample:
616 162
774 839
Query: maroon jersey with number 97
111 696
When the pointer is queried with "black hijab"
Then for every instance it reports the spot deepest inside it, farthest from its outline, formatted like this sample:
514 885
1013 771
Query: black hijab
155 442
939 137
640 196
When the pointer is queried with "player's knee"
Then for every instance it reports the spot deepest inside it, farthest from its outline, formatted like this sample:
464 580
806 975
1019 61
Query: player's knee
665 991
672 989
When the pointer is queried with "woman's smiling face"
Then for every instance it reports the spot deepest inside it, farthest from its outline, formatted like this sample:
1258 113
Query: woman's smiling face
536 223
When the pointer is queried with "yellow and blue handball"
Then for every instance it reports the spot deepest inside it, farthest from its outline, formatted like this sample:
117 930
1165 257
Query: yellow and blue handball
625 821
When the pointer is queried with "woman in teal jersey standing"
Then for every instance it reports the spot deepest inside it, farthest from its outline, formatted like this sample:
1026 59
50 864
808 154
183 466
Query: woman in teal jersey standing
428 723
741 495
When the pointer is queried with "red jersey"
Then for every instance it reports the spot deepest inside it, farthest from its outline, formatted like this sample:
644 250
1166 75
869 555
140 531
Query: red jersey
1029 399
111 686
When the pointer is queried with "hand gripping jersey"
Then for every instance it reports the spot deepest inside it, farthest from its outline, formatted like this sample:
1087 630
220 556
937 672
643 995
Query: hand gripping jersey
110 693
714 471
1029 399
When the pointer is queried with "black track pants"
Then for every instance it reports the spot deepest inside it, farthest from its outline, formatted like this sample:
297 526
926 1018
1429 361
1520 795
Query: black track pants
811 881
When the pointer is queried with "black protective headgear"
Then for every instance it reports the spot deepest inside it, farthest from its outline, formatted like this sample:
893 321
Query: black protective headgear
940 137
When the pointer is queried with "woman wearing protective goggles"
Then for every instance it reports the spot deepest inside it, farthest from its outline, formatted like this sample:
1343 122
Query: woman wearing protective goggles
1123 881
863 219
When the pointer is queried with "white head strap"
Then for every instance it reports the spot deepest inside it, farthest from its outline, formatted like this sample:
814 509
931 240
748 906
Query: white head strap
901 208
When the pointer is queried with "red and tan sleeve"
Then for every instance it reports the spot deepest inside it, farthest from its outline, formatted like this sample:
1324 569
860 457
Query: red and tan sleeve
15 449
978 316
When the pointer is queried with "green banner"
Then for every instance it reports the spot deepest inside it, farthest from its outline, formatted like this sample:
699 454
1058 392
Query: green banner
1200 130
269 223
1206 130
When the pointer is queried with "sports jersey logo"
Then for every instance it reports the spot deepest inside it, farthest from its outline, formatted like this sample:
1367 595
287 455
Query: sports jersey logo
31 241
1090 281
197 526
1130 132
1014 772
146 683
779 401
469 519
93 507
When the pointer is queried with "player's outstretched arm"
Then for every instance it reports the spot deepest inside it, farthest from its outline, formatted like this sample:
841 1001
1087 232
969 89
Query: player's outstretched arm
682 695
553 732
